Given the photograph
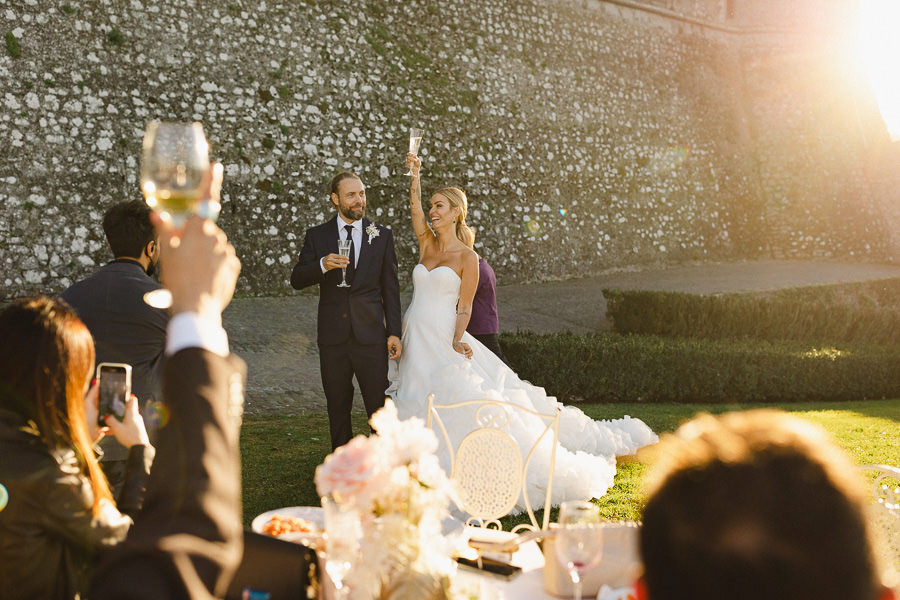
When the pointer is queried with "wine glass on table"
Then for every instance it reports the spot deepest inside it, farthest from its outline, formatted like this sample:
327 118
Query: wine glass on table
415 138
342 533
344 250
175 173
579 540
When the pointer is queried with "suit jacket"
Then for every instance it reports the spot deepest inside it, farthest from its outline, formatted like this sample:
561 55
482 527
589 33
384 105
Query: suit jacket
370 308
186 541
125 329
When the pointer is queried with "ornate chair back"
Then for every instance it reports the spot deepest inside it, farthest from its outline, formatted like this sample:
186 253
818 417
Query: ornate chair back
487 465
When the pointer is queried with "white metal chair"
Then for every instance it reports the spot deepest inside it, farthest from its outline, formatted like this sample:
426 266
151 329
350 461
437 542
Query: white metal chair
487 465
886 513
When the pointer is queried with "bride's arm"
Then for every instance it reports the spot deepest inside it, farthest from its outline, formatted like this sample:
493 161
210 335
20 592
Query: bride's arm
464 304
419 223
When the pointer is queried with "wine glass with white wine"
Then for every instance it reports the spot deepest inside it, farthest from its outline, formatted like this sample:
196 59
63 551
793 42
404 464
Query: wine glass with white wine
174 171
579 540
344 250
415 138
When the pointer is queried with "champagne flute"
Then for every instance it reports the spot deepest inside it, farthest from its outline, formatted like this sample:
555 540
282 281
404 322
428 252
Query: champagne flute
342 533
174 171
579 540
344 250
415 138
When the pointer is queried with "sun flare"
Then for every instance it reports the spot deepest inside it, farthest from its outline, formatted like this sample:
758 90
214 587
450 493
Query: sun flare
879 37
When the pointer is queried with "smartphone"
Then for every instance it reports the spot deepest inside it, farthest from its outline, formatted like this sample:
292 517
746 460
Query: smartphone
114 380
490 566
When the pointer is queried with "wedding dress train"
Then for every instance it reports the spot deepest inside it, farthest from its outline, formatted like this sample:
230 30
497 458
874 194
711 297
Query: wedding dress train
585 458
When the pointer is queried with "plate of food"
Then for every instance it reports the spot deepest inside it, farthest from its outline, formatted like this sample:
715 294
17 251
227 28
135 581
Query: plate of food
301 524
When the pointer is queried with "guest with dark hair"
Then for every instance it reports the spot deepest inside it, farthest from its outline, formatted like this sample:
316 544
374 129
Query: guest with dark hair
125 329
187 540
756 505
60 512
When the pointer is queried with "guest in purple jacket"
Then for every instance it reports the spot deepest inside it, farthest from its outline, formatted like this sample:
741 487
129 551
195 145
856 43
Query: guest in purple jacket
484 325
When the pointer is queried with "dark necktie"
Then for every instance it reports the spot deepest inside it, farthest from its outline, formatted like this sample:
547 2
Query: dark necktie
351 268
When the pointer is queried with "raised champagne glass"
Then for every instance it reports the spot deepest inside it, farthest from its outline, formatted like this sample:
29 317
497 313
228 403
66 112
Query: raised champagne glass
579 540
174 168
415 138
344 250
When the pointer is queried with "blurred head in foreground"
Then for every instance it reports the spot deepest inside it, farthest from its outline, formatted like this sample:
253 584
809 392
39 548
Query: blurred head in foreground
755 505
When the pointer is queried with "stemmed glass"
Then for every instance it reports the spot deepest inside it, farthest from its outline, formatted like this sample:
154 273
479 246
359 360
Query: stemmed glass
344 250
415 138
174 179
342 533
579 540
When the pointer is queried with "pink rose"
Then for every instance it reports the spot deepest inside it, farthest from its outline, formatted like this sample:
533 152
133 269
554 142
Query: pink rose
349 472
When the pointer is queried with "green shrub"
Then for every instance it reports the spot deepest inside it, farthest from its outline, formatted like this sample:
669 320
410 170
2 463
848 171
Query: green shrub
856 314
115 37
12 45
608 367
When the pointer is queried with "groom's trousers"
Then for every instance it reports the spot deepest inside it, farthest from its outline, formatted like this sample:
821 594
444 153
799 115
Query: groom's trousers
338 364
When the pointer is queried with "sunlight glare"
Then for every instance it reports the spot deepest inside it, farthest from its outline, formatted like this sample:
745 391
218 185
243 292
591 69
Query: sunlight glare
879 35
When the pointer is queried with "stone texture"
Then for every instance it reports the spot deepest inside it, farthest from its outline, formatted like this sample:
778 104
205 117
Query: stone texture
588 136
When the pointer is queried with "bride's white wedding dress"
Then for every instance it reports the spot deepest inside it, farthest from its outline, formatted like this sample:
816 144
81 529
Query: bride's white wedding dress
585 459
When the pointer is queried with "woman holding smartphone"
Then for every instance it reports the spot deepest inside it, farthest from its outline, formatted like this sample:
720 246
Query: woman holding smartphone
59 512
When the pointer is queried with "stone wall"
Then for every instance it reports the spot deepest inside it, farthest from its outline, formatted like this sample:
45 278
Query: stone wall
586 138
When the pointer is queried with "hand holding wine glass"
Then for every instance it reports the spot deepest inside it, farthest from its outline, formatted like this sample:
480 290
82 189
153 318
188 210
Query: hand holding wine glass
579 540
177 180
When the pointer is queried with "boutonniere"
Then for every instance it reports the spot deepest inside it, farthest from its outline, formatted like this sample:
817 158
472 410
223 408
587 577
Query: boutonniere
372 231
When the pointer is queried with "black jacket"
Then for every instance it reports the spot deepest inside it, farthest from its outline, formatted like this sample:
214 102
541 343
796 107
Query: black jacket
369 309
125 329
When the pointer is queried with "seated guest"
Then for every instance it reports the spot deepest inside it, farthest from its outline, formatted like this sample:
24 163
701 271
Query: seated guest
756 505
125 329
187 540
60 513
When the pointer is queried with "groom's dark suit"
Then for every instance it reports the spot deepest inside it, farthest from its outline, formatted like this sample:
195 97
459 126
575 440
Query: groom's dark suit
355 322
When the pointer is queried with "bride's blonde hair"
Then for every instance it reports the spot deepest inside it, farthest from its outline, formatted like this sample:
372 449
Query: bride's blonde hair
457 199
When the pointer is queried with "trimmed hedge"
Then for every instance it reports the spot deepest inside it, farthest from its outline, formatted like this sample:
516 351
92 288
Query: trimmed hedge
641 368
866 313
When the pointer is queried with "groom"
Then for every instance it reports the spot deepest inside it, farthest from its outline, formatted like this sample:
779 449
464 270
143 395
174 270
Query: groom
359 326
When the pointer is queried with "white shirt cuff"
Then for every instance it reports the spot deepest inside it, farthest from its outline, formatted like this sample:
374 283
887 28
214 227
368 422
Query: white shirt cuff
322 264
190 330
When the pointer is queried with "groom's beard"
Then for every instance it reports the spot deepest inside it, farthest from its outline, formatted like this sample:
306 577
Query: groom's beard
353 213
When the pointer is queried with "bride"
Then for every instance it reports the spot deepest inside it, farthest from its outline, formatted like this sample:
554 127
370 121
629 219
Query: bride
439 357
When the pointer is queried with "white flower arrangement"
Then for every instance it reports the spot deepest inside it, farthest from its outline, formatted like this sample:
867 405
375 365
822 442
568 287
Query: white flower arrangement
373 231
394 481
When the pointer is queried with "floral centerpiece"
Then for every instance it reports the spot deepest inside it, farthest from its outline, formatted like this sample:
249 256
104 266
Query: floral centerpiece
394 481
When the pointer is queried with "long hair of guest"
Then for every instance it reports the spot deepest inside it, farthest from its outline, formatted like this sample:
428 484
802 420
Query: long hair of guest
46 361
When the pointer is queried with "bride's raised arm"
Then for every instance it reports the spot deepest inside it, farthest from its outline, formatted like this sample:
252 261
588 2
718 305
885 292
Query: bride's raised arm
419 222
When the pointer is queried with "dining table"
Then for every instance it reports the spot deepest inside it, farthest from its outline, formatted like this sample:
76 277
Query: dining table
529 584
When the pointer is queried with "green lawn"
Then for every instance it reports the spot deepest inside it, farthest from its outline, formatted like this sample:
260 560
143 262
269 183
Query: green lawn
280 454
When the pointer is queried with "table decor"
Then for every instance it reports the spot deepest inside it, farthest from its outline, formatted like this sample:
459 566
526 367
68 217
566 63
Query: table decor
394 482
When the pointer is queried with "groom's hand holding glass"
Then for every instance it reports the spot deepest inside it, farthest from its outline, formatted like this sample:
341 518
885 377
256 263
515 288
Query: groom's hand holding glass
335 261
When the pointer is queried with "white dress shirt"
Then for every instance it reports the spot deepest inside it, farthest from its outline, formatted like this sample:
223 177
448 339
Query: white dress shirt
190 330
